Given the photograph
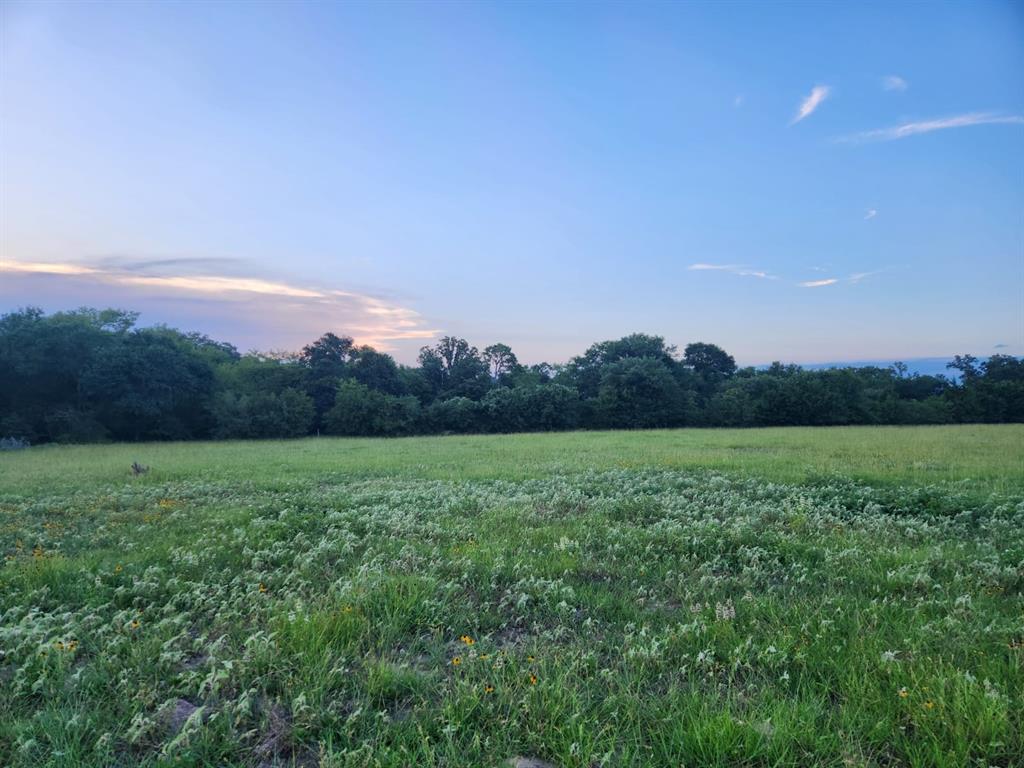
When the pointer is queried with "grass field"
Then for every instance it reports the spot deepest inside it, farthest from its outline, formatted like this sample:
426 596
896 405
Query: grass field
784 597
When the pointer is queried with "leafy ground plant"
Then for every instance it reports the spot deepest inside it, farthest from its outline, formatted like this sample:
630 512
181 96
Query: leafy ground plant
629 615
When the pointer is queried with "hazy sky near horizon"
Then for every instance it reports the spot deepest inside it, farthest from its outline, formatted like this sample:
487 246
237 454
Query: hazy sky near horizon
801 182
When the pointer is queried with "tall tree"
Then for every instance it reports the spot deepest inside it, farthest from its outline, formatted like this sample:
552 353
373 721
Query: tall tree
709 361
453 368
325 360
585 371
640 392
501 361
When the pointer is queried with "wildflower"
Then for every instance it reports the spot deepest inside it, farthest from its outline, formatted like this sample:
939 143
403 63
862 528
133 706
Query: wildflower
59 645
929 704
37 552
903 692
346 609
533 679
118 568
484 656
135 624
263 588
456 661
467 639
888 657
488 689
530 659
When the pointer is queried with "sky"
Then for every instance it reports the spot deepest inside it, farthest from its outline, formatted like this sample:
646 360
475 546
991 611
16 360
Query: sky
800 182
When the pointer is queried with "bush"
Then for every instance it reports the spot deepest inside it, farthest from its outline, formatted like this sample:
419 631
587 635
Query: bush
457 414
263 414
361 411
531 408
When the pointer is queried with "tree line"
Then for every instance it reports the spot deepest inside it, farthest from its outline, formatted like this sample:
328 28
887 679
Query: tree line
91 375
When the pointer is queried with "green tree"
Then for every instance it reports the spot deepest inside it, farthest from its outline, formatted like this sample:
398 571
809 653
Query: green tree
584 373
453 368
640 393
325 360
376 370
709 361
501 361
150 384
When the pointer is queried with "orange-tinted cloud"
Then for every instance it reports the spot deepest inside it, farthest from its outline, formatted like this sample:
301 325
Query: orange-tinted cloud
262 312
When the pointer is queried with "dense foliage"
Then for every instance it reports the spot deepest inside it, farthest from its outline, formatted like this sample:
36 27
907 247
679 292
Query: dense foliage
92 375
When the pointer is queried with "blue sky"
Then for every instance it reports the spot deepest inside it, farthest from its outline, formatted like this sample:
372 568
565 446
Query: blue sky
802 182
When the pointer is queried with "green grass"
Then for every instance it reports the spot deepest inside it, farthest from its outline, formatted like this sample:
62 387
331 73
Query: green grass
784 597
989 457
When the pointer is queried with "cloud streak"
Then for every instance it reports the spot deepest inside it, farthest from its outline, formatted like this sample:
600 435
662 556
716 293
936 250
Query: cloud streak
928 126
852 279
870 214
298 312
738 269
813 100
733 269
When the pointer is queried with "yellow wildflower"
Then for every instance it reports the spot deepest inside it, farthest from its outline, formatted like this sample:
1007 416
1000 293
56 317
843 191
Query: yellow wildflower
456 661
467 639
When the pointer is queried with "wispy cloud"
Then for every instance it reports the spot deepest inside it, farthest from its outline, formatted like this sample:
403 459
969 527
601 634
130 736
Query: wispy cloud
817 95
927 126
870 214
1000 346
216 284
856 277
894 83
244 298
46 268
738 101
734 269
739 269
852 279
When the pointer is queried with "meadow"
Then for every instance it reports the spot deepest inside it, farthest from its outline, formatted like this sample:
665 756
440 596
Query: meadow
778 597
